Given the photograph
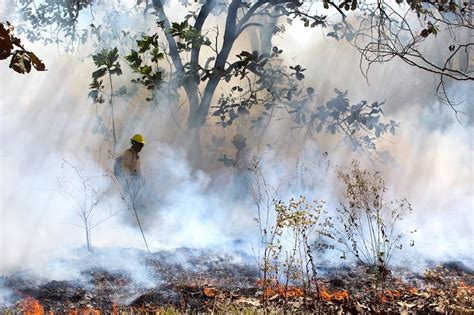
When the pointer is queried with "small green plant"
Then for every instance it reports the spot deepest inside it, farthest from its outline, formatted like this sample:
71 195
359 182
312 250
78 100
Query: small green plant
107 63
299 219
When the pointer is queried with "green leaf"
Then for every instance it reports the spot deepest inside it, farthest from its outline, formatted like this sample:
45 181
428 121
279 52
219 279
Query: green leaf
100 58
134 60
145 43
93 94
112 56
146 69
156 55
117 70
99 73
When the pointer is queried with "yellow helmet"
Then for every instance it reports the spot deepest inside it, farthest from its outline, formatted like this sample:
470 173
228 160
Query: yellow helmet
138 138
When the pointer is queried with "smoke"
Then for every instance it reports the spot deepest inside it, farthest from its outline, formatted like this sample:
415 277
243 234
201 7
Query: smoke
46 118
433 151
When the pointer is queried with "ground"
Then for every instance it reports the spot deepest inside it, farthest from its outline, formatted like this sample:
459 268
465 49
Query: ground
190 280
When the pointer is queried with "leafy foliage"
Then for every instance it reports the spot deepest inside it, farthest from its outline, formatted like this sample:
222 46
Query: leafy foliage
361 123
63 15
21 59
106 62
273 86
188 36
150 74
260 85
279 87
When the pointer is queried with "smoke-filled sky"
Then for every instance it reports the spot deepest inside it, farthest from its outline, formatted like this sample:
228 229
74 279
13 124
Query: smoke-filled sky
47 118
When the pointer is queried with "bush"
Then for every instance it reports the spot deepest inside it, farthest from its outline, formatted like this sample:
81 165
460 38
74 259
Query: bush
366 221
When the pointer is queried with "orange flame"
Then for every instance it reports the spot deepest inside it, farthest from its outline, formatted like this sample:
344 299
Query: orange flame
413 290
280 290
325 295
31 306
389 295
336 295
465 287
209 292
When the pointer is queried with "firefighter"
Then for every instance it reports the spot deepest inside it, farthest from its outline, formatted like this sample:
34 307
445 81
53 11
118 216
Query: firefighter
127 165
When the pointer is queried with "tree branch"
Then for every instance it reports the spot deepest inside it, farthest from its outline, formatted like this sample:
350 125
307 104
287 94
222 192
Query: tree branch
174 53
197 117
206 9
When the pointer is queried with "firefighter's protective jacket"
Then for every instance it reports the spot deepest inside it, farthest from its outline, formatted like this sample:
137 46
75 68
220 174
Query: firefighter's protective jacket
127 164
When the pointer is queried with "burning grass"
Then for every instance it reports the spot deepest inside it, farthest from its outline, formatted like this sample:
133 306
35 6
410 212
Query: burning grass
209 283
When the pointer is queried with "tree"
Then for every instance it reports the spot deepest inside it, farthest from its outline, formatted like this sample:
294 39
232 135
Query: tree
258 82
85 198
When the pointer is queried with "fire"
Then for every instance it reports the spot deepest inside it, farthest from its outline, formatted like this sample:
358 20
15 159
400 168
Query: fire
464 287
336 295
325 295
280 290
209 292
413 290
31 306
464 291
389 295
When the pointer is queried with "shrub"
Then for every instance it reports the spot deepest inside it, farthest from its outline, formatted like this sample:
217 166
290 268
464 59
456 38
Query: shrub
366 223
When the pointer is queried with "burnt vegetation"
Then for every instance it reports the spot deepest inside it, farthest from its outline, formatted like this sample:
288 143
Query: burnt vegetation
215 284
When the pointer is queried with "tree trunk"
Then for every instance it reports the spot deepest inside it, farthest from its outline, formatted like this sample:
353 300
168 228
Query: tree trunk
199 111
261 38
192 144
199 108
88 237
